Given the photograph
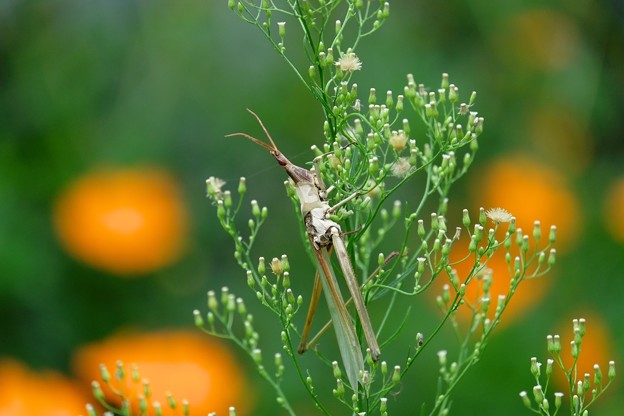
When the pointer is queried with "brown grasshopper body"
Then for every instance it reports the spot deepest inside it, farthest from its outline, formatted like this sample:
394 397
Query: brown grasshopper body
325 234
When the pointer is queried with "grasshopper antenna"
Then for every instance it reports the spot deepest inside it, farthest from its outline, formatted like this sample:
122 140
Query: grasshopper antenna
271 148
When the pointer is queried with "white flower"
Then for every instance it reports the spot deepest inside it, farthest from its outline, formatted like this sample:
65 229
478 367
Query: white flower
214 186
398 140
498 215
349 62
401 168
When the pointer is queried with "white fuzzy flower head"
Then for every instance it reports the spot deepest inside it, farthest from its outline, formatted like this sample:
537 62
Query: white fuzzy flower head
401 168
398 140
214 186
498 215
349 62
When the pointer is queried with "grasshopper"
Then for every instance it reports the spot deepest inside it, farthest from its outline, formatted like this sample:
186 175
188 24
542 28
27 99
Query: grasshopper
325 234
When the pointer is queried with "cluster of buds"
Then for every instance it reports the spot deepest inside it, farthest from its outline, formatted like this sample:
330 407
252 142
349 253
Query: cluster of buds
117 383
583 391
275 292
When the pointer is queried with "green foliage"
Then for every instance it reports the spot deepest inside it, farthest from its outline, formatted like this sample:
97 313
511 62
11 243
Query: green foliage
370 152
373 146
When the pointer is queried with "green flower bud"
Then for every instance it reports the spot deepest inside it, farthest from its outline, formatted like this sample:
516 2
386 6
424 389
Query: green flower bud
213 304
399 105
535 367
220 210
549 367
421 229
339 391
255 208
386 10
558 400
329 59
453 94
227 199
396 375
372 97
199 322
104 374
336 369
537 230
473 98
242 186
97 391
256 355
552 237
575 350
225 293
442 95
611 371
538 394
240 307
285 263
90 410
286 281
230 305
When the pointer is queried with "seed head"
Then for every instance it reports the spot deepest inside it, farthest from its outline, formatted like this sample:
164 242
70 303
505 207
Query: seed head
498 215
349 62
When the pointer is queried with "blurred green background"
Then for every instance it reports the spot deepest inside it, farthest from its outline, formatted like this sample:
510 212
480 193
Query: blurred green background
127 83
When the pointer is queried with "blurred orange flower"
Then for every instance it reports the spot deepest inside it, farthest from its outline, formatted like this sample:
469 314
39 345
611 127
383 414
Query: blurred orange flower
614 212
125 221
24 392
530 191
540 39
191 366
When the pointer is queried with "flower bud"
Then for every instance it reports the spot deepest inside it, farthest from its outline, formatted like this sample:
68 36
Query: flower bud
535 367
575 350
227 199
552 237
611 371
558 400
399 104
339 391
256 354
538 394
537 230
255 208
212 301
199 322
372 97
396 375
276 266
97 390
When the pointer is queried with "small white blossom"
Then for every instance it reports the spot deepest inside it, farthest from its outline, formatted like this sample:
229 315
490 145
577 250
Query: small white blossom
349 62
214 186
401 168
498 215
398 140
